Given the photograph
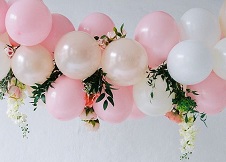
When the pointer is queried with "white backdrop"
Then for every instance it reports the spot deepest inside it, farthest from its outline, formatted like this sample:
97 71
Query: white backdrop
152 139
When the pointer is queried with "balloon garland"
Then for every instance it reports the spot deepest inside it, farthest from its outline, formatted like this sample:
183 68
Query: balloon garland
96 73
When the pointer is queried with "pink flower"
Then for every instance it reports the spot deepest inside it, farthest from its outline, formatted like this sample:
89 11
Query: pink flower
174 117
90 98
90 116
14 92
9 51
92 126
111 35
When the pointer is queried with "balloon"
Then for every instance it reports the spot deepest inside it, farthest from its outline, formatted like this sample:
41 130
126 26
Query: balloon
93 24
66 100
160 104
4 38
200 24
28 25
77 55
220 59
125 62
212 94
3 10
123 100
190 62
136 113
32 65
60 26
4 61
222 18
158 33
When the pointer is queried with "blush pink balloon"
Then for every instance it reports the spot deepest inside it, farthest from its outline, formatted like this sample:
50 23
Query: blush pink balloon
28 25
60 26
136 113
123 106
158 33
3 10
66 100
97 24
212 94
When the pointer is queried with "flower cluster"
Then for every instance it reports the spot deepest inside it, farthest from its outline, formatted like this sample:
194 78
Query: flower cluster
16 95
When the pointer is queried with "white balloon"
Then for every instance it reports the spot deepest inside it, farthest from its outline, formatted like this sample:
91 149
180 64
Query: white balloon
4 61
219 56
200 24
190 62
160 104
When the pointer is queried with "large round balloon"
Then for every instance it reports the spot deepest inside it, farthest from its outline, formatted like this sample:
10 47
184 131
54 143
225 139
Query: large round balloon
93 24
28 25
60 26
66 100
219 56
4 61
125 62
190 62
32 64
77 55
3 9
158 33
200 24
212 94
123 100
160 104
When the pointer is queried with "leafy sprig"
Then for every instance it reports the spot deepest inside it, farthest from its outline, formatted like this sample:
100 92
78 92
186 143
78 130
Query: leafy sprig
97 84
182 101
39 90
4 83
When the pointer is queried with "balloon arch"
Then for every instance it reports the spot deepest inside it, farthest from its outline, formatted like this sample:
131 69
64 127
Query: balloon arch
96 73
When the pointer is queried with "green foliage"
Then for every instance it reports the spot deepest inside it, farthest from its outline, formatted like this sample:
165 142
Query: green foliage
97 84
184 104
39 90
4 84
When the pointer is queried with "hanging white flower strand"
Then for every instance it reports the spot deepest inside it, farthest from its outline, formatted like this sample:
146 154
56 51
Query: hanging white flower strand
16 95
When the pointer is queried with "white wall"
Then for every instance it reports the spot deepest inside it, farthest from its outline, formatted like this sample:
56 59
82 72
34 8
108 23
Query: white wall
152 139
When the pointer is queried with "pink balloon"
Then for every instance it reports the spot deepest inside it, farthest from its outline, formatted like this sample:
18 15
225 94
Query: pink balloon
66 100
60 26
158 33
212 94
28 22
3 10
97 24
136 113
123 106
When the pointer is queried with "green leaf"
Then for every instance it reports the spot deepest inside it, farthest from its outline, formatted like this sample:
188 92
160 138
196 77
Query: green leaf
115 30
96 37
105 104
186 118
110 99
43 97
121 28
152 94
108 91
100 97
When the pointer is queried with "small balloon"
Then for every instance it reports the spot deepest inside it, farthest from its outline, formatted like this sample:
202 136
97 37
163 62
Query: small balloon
219 58
4 61
158 33
202 25
158 104
77 55
190 62
32 64
66 100
123 101
125 62
28 25
61 25
93 24
211 98
3 10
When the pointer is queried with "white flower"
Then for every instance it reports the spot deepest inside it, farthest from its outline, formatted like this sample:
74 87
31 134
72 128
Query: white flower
92 125
111 35
90 116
